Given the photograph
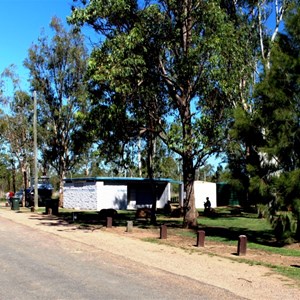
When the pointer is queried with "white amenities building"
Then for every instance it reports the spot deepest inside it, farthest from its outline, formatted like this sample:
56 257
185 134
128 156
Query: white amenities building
118 193
97 193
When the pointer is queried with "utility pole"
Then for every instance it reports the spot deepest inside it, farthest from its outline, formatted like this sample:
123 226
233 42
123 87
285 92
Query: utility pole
35 151
139 157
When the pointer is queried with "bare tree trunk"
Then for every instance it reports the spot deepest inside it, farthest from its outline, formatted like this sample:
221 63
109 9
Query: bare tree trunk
189 207
150 154
25 184
13 176
279 12
61 189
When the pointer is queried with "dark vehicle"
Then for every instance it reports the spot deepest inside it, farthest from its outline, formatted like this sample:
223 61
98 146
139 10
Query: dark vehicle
45 190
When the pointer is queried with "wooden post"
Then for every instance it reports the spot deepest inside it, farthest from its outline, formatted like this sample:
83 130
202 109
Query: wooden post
163 231
200 238
242 245
129 226
109 222
32 209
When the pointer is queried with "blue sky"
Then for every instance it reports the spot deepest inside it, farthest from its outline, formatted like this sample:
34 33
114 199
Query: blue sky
21 23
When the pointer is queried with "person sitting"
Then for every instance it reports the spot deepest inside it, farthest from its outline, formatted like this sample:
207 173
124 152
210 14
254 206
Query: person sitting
207 205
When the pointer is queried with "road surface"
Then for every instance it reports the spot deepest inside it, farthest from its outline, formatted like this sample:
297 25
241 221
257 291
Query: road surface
40 265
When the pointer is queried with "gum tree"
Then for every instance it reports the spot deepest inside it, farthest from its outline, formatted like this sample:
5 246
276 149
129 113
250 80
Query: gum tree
57 67
16 125
188 56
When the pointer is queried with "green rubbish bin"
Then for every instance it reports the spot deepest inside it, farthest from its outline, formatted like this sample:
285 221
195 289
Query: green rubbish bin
15 205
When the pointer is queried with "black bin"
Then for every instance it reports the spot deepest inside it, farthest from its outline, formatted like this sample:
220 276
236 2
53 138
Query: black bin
51 206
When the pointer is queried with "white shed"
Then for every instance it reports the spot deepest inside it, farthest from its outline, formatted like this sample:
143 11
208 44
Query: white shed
118 193
204 189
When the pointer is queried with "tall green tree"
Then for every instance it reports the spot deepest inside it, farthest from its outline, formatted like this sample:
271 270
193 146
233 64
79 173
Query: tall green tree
18 134
249 166
17 125
189 57
57 67
278 114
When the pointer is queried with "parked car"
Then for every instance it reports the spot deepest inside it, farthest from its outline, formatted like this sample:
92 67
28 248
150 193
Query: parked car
45 190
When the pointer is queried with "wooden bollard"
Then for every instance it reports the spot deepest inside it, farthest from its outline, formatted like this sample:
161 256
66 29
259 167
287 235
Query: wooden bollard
32 209
48 211
163 231
129 226
109 222
242 245
200 238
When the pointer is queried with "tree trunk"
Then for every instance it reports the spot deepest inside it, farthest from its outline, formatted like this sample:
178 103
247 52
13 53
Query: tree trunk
13 176
25 183
61 189
153 208
298 226
189 208
150 154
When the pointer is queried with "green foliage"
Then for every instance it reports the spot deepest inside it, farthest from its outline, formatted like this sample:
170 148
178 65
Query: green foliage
278 97
176 68
57 67
16 131
287 188
264 153
284 225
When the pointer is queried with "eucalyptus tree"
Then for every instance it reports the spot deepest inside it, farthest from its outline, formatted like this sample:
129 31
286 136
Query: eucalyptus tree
18 133
57 67
4 175
269 17
188 57
16 124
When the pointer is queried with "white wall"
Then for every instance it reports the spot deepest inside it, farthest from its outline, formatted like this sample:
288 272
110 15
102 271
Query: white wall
111 196
81 195
165 197
96 196
205 189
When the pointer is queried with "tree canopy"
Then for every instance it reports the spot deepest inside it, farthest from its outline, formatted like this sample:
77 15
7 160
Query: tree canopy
186 56
57 68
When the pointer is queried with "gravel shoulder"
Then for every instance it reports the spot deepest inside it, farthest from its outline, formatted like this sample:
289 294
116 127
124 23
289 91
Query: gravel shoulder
244 280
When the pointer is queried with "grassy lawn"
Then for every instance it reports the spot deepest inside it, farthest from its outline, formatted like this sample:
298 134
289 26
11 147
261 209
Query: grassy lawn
224 226
228 227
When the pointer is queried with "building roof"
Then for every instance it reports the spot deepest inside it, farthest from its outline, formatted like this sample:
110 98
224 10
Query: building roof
121 180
